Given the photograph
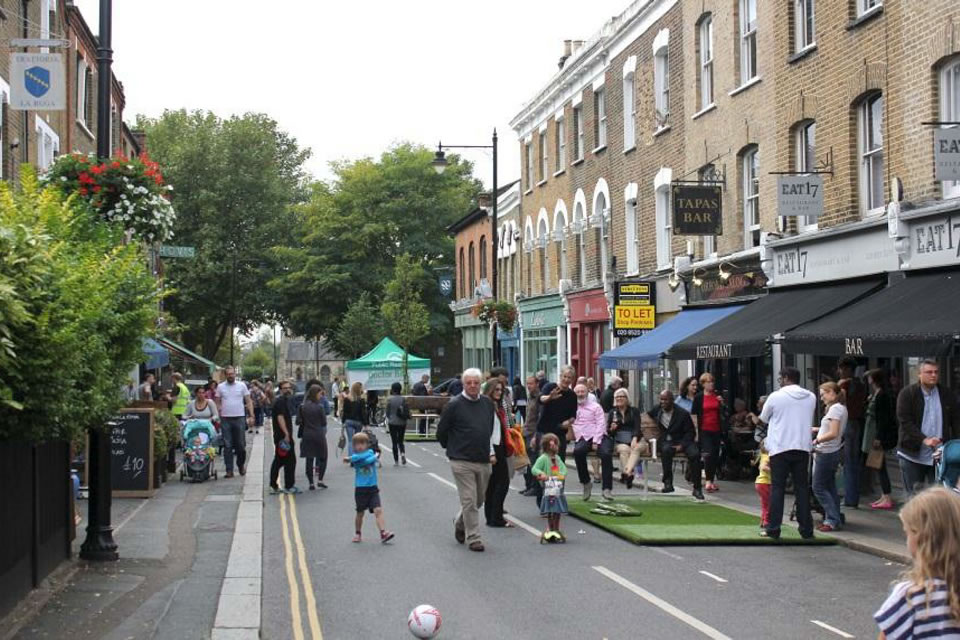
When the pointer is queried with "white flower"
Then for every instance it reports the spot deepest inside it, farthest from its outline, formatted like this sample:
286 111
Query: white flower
63 178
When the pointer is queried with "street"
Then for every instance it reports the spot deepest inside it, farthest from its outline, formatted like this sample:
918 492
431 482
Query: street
596 586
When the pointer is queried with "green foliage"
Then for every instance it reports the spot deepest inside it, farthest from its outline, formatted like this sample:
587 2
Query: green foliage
166 433
360 328
407 318
73 325
236 183
257 363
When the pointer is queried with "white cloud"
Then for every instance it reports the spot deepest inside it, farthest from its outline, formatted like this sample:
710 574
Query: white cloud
349 78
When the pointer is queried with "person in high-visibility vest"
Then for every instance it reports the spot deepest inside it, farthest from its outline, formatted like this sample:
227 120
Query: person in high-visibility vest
181 395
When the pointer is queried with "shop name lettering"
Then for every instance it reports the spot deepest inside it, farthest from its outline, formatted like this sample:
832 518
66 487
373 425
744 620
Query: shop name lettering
708 351
938 236
853 346
537 320
698 209
797 189
791 263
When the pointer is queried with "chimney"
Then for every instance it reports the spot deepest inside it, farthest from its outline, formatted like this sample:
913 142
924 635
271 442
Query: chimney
484 200
567 52
577 45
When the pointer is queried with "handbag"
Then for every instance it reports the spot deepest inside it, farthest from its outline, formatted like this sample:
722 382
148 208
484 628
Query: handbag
875 458
342 442
520 461
515 444
552 487
283 449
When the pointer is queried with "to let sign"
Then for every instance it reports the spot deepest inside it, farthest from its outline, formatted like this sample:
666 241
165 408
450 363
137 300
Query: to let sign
946 153
697 210
800 196
634 308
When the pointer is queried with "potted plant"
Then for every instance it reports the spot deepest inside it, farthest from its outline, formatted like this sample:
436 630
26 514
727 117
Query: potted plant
500 312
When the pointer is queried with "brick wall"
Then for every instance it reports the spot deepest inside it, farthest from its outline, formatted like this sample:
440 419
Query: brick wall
476 233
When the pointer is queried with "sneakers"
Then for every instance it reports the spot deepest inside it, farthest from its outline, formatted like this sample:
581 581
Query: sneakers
608 495
587 491
274 491
228 474
667 488
697 493
313 487
386 536
403 458
826 528
458 532
476 546
294 490
321 484
357 538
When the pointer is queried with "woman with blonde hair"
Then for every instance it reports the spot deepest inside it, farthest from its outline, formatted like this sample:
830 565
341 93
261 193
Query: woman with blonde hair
354 413
926 603
827 454
710 418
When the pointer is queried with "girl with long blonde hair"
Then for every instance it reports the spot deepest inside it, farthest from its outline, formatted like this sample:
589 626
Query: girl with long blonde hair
926 603
354 414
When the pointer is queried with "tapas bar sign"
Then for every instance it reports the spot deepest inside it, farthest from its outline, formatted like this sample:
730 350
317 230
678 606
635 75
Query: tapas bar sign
697 210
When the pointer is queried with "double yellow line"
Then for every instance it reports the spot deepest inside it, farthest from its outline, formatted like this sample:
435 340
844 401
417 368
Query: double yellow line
291 528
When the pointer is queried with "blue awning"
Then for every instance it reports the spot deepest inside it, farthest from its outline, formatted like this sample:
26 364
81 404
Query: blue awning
647 349
157 356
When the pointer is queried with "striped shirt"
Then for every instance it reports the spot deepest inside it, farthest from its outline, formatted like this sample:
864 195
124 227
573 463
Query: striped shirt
905 616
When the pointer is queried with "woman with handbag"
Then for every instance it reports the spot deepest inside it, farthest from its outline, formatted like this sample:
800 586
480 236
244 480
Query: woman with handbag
880 433
499 484
354 414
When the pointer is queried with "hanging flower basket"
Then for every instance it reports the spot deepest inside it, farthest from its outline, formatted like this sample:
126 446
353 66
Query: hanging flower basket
496 311
126 191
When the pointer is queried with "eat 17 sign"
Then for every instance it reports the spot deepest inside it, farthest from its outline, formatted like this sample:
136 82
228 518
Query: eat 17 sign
800 196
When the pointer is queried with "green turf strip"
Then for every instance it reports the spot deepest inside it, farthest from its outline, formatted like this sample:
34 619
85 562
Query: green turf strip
682 521
415 437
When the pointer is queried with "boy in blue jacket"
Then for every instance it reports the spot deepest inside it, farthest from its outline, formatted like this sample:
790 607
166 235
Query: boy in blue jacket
364 462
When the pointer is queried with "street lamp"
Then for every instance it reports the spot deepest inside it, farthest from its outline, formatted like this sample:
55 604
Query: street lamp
440 164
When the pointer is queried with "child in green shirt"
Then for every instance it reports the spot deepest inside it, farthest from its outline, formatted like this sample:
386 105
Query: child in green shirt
551 471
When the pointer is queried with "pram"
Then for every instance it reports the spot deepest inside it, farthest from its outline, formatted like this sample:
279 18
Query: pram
200 440
947 465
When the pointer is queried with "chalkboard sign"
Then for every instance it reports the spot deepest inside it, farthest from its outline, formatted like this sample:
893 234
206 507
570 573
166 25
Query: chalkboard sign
131 453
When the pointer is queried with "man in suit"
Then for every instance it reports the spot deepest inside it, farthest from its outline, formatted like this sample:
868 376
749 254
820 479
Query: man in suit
677 434
928 417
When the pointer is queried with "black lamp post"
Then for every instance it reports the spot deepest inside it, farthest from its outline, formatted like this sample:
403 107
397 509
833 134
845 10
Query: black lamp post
440 164
99 544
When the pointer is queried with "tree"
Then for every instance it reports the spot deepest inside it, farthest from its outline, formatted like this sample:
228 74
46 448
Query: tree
407 318
257 363
236 183
360 328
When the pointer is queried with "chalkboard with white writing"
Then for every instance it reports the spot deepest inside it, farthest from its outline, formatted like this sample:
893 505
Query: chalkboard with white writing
131 453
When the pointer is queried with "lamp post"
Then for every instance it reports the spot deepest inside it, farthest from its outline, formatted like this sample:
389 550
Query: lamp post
440 164
99 544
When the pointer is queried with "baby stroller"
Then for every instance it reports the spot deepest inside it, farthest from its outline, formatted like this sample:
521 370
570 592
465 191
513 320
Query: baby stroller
199 450
948 464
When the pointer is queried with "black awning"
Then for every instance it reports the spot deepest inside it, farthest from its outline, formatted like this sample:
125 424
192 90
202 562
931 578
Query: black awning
745 334
916 316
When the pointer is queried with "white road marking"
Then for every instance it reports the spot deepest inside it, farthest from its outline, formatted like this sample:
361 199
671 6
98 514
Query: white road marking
714 577
443 480
523 525
824 625
409 461
682 616
665 552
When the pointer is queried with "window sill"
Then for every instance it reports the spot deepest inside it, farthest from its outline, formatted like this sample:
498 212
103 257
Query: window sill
559 172
864 18
528 192
542 182
803 53
632 147
662 130
707 109
746 85
83 127
873 213
576 162
599 149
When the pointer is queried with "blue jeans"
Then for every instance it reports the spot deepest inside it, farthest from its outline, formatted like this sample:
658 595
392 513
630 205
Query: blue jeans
825 485
852 462
351 427
915 474
232 430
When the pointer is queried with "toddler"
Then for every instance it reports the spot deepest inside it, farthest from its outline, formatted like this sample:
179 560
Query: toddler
366 493
551 471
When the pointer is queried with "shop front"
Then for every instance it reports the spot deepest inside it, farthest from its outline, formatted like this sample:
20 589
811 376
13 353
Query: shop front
509 343
589 332
543 335
477 348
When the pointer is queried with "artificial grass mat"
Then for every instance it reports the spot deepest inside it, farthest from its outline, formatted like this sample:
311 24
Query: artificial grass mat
416 437
682 521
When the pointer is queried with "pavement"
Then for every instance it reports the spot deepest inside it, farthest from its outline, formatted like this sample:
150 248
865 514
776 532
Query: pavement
223 559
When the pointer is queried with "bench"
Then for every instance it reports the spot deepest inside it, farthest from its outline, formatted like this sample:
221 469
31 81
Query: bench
679 459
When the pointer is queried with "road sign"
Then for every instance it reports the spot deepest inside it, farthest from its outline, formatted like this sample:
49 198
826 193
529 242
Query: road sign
167 251
37 82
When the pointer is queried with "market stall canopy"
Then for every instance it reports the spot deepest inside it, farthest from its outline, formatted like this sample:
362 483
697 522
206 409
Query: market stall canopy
157 356
647 350
383 365
916 316
186 354
745 334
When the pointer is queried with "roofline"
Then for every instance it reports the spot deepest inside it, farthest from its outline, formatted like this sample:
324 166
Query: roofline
467 220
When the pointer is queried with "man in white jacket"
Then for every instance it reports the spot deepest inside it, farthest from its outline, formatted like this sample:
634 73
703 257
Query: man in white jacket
789 414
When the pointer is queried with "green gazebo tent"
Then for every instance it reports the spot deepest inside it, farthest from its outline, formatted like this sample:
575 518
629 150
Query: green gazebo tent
383 365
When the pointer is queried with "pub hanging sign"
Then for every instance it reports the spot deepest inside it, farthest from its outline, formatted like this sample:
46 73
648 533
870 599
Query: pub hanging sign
697 210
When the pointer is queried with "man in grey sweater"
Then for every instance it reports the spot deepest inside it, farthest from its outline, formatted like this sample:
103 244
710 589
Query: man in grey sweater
465 430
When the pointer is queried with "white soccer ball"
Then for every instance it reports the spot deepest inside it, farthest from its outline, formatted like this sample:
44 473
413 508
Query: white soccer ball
424 621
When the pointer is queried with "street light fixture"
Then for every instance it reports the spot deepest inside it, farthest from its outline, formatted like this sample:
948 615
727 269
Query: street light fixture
439 165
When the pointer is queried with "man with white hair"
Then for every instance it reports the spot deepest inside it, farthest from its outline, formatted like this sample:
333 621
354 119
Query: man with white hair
607 397
590 434
465 430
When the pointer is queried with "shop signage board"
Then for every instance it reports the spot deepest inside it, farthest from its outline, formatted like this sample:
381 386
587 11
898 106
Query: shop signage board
697 210
541 315
800 196
37 82
131 453
634 308
946 153
848 255
737 285
935 241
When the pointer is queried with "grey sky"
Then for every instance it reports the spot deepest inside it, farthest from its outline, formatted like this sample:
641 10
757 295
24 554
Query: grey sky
348 78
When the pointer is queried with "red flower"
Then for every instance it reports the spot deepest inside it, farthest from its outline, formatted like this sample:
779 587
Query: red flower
96 170
83 191
96 189
116 164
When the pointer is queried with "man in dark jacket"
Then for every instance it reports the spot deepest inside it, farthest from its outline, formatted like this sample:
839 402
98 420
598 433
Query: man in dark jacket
465 430
606 398
676 435
928 417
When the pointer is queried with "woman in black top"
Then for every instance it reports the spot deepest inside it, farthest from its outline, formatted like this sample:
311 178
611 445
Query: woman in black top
313 435
354 413
623 425
520 398
397 416
880 430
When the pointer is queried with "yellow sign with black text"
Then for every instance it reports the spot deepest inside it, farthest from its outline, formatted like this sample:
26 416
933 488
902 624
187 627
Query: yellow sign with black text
635 317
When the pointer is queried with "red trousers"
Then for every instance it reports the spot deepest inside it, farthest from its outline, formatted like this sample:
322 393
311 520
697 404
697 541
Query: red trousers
763 490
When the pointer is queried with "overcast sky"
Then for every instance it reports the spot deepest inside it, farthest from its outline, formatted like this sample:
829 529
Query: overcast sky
349 77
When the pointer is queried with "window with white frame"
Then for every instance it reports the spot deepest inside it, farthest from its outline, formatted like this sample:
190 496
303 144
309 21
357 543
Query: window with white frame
664 226
544 159
528 148
561 246
866 6
600 210
804 14
629 112
543 242
45 18
4 101
580 220
805 144
751 198
600 117
48 145
748 40
661 86
705 31
82 87
633 257
707 173
560 133
870 142
950 112
578 132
